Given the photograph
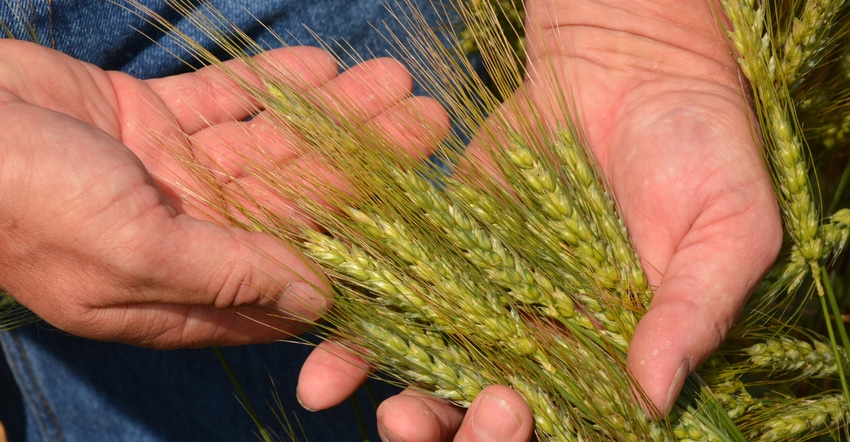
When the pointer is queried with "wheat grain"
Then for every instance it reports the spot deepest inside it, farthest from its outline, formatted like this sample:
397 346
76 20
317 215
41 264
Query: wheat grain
836 231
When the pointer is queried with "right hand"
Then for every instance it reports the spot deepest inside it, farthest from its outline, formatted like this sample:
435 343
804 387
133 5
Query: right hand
658 96
98 235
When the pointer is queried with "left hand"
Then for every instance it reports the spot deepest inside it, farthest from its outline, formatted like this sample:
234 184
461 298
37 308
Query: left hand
101 233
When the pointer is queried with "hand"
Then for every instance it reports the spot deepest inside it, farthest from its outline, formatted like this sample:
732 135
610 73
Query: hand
100 235
659 97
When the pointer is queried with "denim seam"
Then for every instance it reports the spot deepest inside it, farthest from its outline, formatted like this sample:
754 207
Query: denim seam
33 387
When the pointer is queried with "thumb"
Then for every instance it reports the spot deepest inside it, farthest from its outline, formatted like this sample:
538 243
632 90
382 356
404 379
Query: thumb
229 267
497 414
199 283
715 268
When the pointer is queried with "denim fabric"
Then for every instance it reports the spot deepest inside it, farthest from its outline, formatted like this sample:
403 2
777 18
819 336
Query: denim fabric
106 34
73 389
79 390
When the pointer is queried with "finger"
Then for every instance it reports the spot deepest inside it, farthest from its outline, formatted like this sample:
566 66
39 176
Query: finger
329 376
218 93
235 148
164 111
498 413
289 190
416 124
413 416
365 90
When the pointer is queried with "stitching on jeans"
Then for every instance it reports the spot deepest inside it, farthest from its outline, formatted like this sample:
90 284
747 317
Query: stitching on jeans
45 405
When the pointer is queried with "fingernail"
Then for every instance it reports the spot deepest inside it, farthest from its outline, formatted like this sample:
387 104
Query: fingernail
303 302
386 435
494 420
301 403
676 385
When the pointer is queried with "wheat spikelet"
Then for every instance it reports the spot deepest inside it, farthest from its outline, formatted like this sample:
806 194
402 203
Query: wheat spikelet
692 430
736 399
402 348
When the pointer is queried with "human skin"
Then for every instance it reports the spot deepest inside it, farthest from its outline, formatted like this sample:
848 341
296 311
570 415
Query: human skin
660 99
100 234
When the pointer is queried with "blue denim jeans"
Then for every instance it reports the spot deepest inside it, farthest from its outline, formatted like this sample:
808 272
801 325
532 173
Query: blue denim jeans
63 388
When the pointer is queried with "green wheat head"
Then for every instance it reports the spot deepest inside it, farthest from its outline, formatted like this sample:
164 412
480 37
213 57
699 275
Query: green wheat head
524 274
